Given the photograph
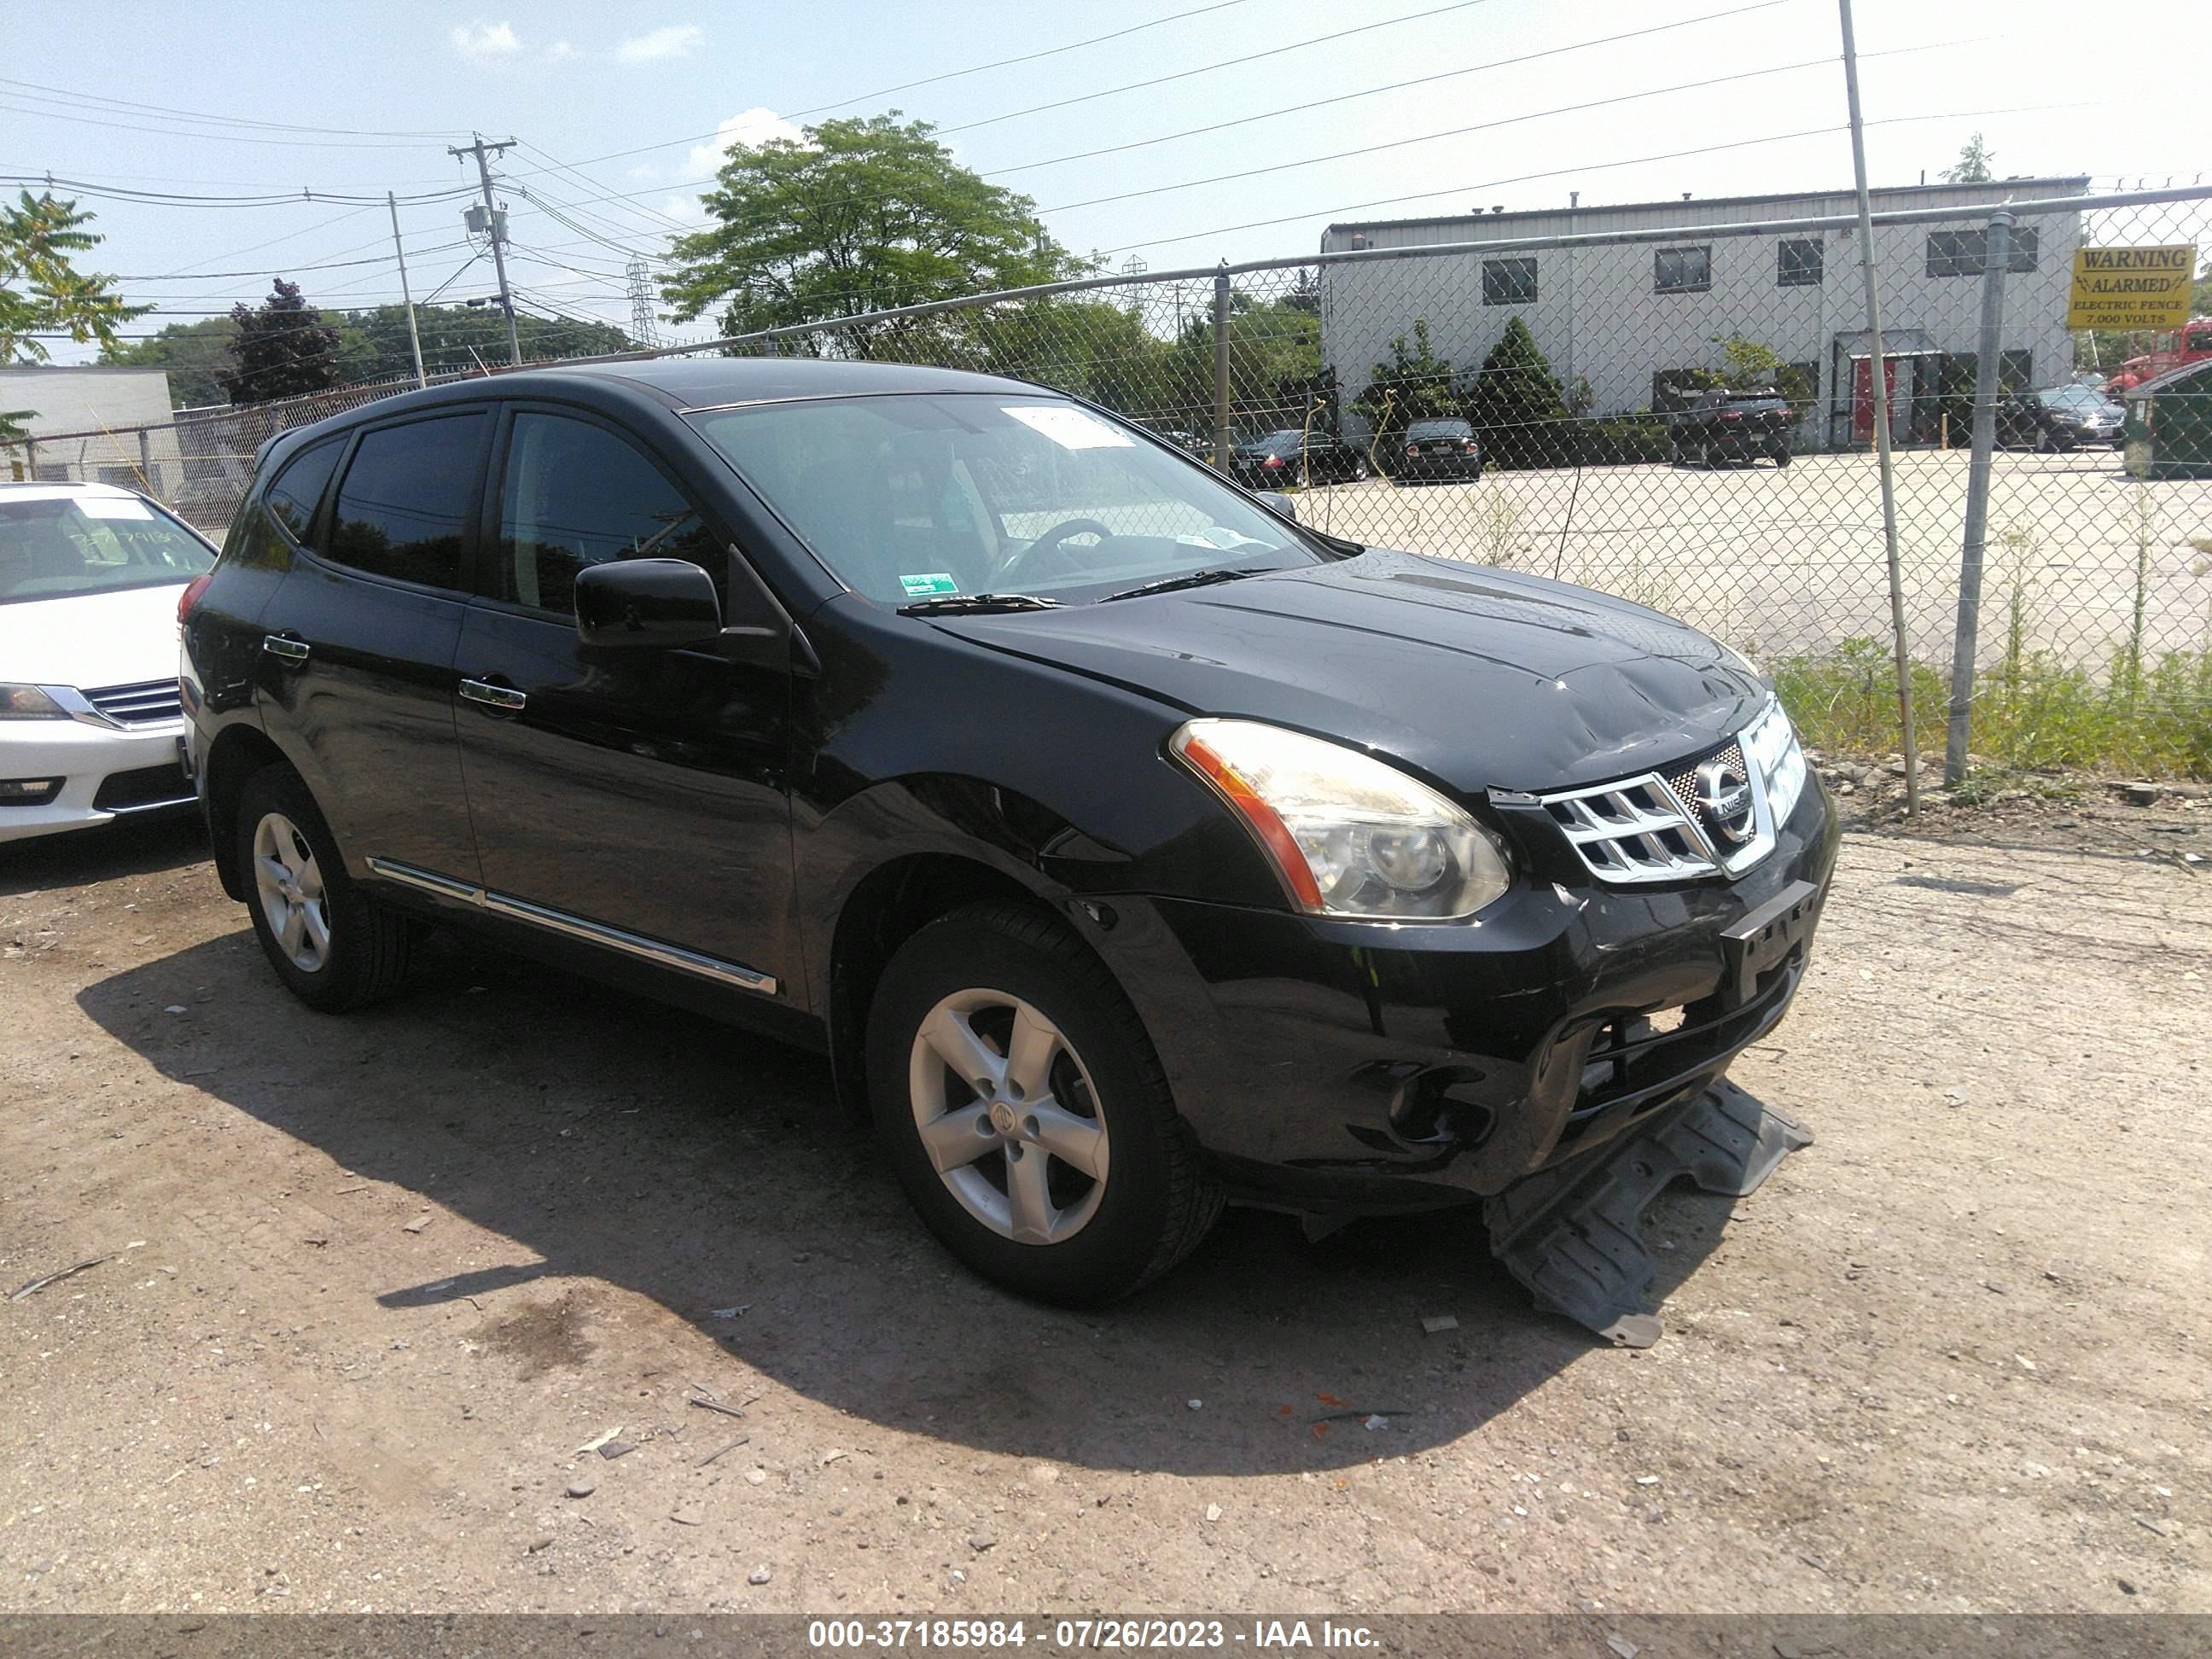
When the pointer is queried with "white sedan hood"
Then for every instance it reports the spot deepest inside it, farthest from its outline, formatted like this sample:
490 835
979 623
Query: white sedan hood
94 640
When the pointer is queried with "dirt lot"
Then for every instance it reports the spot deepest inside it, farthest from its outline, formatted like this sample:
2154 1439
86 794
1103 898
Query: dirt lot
1792 560
373 1282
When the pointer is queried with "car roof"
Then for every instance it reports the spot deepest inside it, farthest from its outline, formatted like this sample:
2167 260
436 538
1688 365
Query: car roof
717 382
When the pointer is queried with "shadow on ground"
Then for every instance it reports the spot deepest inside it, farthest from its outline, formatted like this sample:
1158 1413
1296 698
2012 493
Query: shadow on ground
613 1139
126 847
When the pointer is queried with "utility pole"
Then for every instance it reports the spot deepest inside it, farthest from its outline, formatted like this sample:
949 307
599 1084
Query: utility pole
406 298
1879 379
496 228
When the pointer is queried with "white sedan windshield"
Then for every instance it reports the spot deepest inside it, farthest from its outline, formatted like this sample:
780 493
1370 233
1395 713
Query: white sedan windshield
915 497
57 547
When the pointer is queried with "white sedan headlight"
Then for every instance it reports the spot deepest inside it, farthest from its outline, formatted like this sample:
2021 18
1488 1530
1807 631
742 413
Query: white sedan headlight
29 702
1770 743
1350 837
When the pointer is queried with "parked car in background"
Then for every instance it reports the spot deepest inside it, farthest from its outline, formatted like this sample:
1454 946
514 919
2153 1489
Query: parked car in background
2168 432
90 730
1126 846
2191 344
2058 417
1719 426
1434 451
1293 457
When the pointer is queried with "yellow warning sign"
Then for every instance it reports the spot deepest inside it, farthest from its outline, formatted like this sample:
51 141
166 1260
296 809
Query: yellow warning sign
2131 288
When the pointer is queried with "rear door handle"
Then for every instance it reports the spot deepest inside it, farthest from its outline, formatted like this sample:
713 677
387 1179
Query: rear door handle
503 698
291 650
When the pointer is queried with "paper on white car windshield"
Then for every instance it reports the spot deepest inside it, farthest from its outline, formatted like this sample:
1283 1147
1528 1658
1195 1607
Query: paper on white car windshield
97 507
1071 428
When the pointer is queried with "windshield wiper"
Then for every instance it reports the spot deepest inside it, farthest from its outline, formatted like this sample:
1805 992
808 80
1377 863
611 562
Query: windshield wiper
976 605
1196 579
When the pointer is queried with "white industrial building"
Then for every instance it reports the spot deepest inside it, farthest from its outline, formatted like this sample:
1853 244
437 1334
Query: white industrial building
1626 319
91 422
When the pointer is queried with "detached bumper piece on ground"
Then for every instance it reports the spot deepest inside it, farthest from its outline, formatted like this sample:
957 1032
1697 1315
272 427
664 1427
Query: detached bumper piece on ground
1573 1235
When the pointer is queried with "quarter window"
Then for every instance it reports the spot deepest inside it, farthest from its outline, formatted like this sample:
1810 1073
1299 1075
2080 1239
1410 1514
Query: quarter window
1681 269
575 494
403 508
1509 282
298 487
1799 263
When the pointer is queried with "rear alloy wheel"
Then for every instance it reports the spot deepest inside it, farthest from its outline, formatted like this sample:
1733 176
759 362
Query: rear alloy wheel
1025 1111
1359 470
333 945
2045 443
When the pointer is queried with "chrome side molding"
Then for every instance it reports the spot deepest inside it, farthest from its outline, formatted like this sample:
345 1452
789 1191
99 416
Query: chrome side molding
576 927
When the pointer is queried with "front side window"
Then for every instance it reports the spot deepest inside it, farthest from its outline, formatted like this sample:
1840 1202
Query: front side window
1509 282
1681 269
574 494
65 546
1799 263
923 496
403 507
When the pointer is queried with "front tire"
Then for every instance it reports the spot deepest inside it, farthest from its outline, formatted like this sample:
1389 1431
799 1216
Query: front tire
1026 1114
335 947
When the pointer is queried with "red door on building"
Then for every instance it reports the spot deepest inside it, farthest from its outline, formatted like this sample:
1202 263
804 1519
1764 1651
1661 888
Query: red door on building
1862 397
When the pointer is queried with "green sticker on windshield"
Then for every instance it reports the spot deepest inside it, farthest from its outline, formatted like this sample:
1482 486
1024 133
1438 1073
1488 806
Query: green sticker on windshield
928 583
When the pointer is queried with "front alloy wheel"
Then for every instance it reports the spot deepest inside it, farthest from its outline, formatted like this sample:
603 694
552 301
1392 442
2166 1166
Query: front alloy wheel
1009 1117
289 886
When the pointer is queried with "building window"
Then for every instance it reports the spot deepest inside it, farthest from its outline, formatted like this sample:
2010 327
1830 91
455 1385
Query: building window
1962 252
1509 282
1799 264
1681 269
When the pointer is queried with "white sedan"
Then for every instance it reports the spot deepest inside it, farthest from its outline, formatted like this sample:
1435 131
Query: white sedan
90 577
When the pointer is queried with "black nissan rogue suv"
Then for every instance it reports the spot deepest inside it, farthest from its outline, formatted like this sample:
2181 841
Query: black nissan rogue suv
1128 845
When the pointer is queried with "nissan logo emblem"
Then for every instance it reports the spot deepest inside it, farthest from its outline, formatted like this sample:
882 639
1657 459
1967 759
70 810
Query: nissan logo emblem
1725 796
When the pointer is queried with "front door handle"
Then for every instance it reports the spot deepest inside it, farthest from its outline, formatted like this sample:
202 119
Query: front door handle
291 651
503 699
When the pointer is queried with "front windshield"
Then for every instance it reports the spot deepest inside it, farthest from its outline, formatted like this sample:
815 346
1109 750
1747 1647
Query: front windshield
58 547
912 497
2074 397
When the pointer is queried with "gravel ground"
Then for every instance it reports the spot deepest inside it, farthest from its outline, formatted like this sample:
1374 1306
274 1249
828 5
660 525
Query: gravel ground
372 1284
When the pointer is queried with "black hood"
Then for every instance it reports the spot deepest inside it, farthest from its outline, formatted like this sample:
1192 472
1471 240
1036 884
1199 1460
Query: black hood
1484 679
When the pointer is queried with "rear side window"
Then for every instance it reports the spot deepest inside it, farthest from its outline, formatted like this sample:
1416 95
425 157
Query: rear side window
575 494
298 489
403 507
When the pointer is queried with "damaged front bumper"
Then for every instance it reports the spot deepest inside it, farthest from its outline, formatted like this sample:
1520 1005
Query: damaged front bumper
1345 1068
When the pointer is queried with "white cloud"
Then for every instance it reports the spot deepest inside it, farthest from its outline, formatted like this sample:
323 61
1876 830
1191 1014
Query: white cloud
485 40
561 52
754 127
679 40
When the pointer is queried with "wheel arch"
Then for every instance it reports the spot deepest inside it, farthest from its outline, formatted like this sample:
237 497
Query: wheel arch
238 752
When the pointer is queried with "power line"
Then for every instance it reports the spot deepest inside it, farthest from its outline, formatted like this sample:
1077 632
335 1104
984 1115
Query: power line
227 120
177 199
112 124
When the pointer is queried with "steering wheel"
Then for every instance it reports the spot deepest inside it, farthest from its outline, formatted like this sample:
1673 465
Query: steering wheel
1054 541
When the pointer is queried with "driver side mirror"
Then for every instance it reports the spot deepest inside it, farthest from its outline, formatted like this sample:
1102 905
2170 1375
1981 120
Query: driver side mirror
1280 502
633 602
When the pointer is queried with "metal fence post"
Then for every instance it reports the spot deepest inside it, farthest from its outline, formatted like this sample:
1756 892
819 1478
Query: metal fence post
1221 368
1997 255
147 473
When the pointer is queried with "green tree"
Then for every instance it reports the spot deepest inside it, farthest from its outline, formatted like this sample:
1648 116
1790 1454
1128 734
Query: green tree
1414 384
282 349
866 215
195 356
1516 404
43 292
1975 165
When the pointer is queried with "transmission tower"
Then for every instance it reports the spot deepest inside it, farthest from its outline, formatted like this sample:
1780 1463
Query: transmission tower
644 328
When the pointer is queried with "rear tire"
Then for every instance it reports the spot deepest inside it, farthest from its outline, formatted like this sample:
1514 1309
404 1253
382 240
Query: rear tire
1781 458
335 947
1068 1174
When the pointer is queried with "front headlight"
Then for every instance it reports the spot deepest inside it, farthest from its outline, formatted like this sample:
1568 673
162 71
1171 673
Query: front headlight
1349 835
1770 744
29 702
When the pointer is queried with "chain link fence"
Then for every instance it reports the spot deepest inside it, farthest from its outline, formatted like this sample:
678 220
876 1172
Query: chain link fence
1673 406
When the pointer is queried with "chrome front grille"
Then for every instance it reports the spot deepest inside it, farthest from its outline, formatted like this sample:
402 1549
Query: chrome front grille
1650 827
148 703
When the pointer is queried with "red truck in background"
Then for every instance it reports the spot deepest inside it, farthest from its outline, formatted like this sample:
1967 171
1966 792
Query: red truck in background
2192 343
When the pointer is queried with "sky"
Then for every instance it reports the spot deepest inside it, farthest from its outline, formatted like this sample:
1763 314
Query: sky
1124 143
